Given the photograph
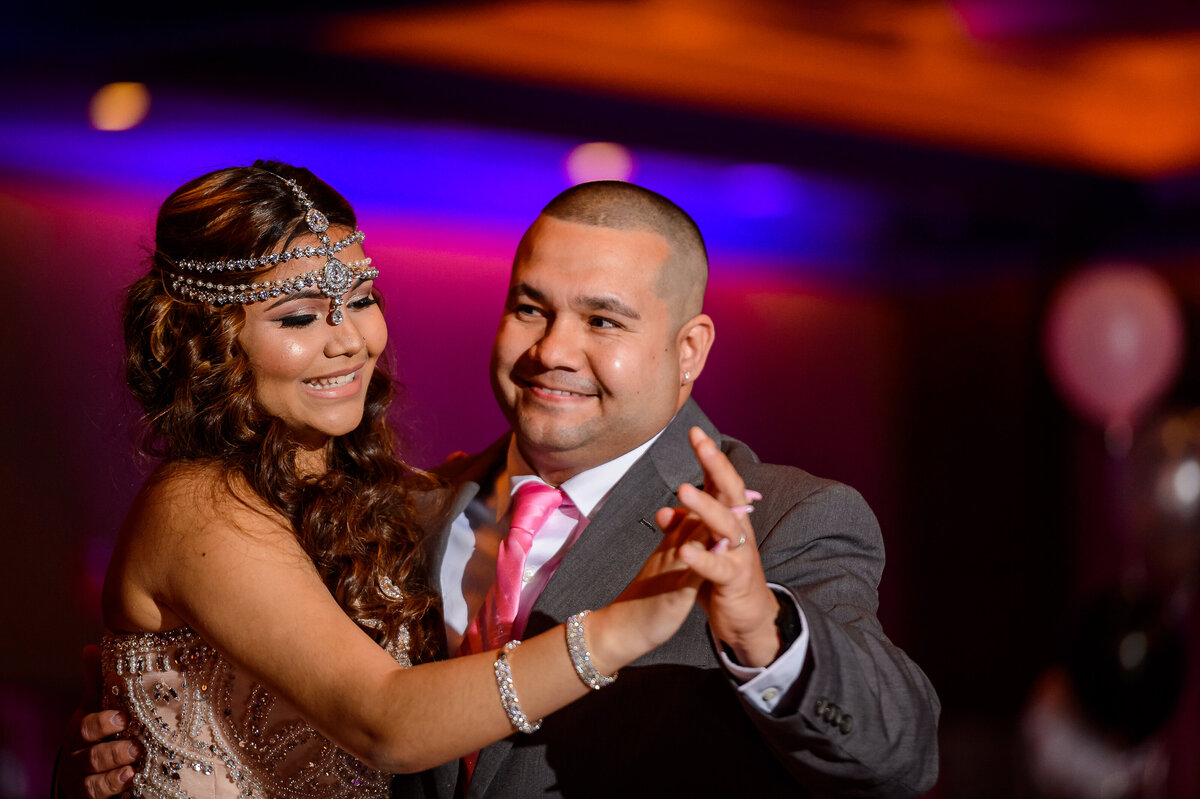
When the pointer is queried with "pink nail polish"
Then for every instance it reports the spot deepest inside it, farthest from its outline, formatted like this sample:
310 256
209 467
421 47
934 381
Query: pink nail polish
752 495
741 510
720 546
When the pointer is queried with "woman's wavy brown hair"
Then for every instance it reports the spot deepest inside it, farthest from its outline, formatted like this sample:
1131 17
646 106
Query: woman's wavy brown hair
184 365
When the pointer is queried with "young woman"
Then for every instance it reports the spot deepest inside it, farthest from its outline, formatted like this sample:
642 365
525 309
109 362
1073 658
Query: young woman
267 590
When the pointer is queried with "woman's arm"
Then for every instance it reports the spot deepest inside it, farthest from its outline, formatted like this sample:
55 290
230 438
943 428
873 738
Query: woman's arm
238 577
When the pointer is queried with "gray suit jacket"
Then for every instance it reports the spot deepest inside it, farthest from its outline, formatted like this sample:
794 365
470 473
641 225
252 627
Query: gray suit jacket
865 719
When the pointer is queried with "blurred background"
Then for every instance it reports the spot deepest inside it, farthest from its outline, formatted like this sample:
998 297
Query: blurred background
955 263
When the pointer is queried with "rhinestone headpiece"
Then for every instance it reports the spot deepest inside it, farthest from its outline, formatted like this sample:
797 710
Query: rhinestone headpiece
333 279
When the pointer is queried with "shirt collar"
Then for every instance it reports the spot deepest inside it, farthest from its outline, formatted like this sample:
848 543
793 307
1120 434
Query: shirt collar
585 490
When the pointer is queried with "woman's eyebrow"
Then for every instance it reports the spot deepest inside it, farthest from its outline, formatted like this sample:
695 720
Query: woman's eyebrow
309 294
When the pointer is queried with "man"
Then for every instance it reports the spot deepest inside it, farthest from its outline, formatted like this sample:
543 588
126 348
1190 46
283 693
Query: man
789 686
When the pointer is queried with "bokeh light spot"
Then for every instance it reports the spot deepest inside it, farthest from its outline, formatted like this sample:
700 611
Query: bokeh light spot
119 106
599 160
1132 651
1187 482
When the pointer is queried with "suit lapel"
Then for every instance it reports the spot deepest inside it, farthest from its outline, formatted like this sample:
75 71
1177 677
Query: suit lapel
491 758
672 453
468 477
609 552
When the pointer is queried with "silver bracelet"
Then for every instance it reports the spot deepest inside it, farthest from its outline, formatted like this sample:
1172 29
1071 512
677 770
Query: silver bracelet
508 694
581 659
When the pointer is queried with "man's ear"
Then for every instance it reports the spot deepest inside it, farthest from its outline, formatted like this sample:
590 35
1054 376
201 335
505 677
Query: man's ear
693 341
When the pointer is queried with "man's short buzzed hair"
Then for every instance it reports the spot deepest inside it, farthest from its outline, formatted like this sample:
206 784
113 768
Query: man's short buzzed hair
619 205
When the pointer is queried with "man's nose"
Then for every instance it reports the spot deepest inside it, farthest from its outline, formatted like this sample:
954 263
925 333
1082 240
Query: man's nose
560 346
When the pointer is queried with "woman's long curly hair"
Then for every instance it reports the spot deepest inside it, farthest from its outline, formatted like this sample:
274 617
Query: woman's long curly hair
186 368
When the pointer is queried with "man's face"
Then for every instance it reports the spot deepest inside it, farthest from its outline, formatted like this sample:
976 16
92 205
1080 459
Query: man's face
585 364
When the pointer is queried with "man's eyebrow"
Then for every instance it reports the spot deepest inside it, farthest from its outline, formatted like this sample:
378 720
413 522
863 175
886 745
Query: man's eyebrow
311 293
608 303
605 302
525 290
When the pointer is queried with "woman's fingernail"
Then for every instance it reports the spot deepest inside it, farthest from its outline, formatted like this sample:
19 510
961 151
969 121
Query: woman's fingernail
118 720
752 495
720 546
126 775
741 510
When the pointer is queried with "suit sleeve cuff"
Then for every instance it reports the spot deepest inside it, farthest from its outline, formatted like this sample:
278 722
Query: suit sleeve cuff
767 687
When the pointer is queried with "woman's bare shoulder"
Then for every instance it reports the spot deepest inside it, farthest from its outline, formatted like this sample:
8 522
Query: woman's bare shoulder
187 525
197 497
181 510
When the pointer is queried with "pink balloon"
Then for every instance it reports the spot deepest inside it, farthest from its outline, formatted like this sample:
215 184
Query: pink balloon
1114 342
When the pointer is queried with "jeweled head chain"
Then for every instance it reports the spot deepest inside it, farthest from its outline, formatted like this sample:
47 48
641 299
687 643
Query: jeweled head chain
333 279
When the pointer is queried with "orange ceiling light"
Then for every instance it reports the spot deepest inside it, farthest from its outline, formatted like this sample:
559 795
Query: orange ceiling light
1122 104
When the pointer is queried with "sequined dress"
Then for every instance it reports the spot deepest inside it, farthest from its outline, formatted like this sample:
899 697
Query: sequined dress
209 730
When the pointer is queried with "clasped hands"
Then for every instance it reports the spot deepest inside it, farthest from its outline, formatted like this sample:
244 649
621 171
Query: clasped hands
740 605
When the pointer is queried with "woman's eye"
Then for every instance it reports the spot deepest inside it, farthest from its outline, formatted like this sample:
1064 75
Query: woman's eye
299 320
365 302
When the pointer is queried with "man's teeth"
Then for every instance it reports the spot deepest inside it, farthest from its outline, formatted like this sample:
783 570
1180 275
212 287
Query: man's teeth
331 382
561 393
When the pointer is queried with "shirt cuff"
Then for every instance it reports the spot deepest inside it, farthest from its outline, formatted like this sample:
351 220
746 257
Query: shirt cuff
765 687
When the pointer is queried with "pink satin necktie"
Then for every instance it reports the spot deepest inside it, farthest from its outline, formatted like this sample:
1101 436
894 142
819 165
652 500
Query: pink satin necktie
492 626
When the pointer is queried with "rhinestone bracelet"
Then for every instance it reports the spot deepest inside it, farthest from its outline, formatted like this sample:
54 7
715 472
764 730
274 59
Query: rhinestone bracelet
508 694
581 659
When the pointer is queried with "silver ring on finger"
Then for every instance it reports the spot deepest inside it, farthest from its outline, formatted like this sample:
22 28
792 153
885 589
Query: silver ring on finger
741 542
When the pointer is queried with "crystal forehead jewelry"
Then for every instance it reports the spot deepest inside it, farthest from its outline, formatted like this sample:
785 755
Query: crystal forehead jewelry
333 279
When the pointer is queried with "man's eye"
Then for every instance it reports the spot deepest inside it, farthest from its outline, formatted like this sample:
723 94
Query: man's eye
600 321
527 310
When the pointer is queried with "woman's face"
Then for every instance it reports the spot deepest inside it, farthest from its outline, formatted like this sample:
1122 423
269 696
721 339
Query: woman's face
312 374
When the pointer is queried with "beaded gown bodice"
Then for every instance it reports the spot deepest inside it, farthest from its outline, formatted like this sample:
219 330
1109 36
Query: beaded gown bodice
209 730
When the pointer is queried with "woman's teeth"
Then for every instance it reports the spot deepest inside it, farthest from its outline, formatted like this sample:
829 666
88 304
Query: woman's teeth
331 382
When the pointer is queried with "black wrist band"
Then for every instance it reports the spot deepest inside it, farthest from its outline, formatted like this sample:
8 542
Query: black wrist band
787 621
